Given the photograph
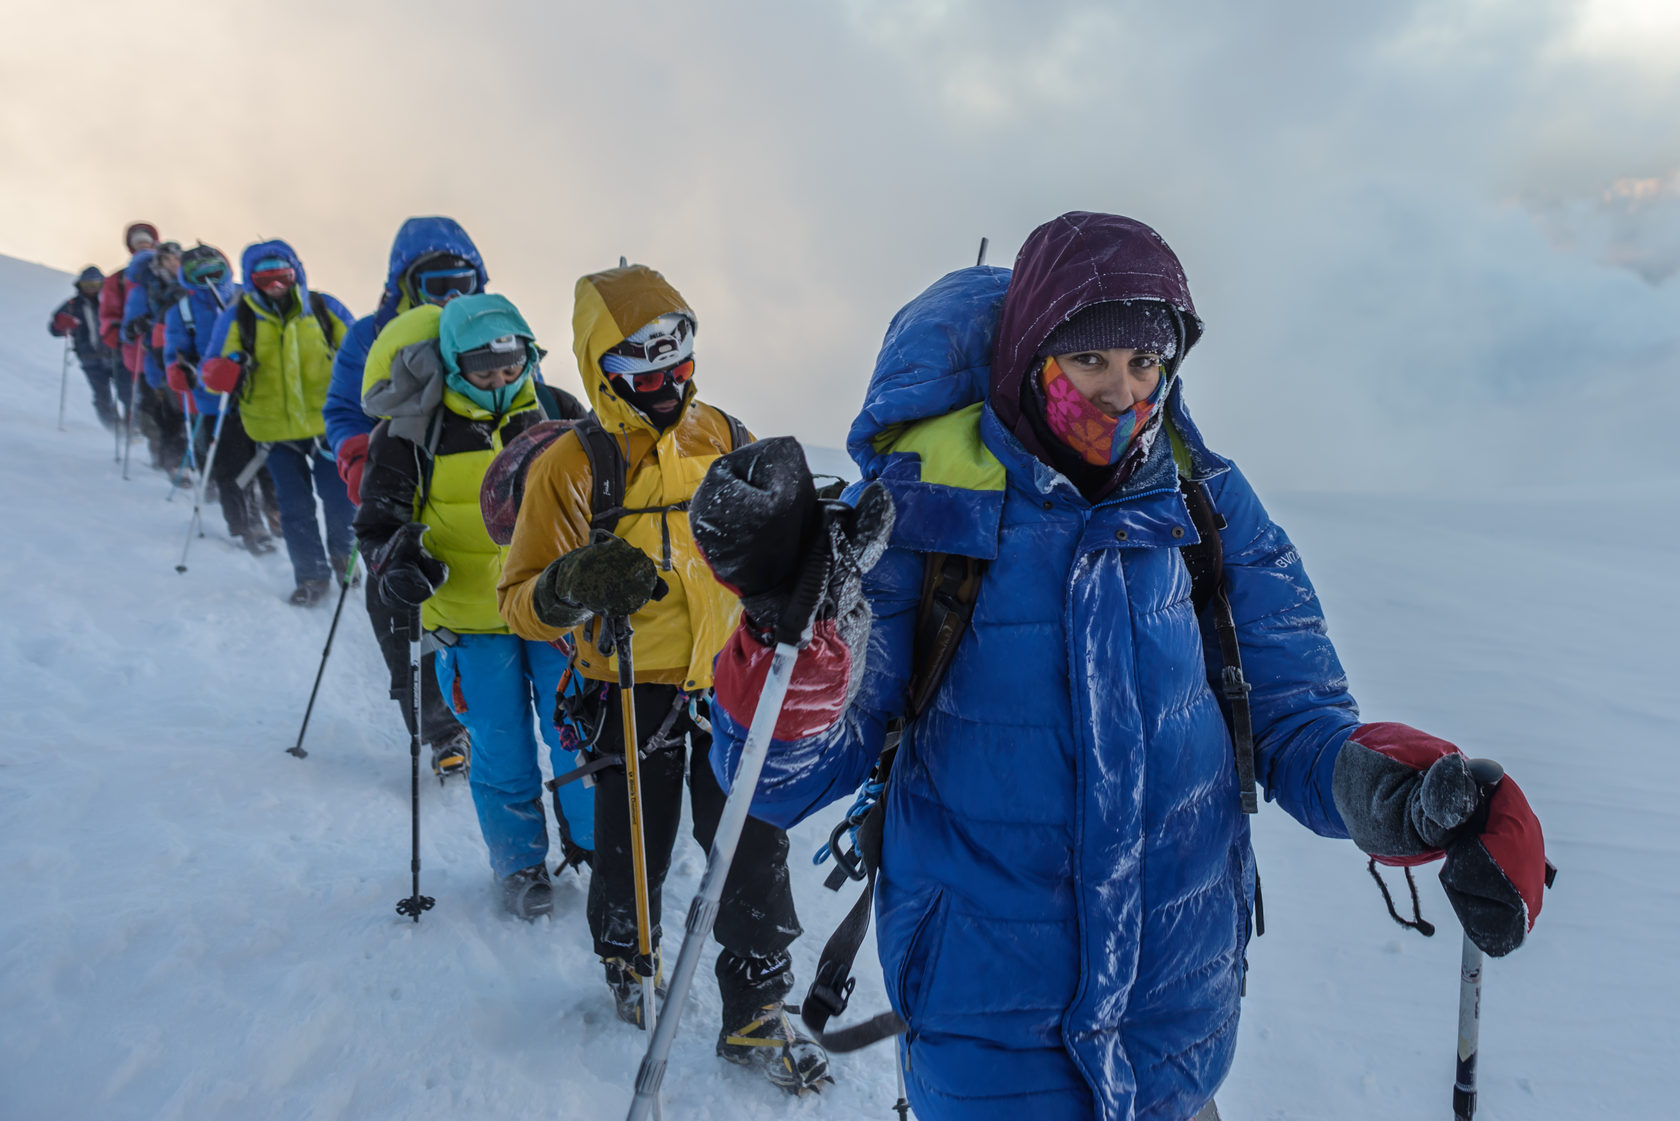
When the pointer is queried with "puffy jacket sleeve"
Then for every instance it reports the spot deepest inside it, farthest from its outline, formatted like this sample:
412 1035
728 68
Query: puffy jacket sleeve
111 310
1302 709
341 317
177 338
802 776
66 308
553 520
343 410
390 489
224 336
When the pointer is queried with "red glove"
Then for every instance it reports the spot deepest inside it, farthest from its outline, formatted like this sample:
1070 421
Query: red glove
352 460
180 375
63 323
1409 798
221 375
157 336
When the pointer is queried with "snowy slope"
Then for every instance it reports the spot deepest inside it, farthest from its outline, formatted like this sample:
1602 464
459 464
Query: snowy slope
197 925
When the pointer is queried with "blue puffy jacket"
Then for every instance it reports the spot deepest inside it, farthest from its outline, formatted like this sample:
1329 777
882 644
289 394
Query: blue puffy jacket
1066 882
136 303
418 237
187 331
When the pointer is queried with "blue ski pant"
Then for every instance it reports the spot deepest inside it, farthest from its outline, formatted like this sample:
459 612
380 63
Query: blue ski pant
301 471
494 680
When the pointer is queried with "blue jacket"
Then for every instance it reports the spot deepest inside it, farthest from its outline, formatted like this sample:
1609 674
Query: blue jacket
190 340
1066 881
292 361
417 238
138 302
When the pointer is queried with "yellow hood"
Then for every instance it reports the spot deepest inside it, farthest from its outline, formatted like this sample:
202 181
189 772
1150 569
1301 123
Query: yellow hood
610 306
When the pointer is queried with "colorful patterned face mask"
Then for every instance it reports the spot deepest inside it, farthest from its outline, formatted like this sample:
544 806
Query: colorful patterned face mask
1096 437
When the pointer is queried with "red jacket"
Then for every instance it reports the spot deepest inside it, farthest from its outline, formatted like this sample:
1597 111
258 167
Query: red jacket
112 295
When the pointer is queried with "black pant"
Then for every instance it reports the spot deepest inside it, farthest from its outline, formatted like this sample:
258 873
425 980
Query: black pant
756 920
241 506
390 628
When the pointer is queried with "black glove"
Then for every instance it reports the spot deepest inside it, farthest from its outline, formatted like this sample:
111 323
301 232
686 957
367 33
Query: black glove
408 574
609 577
757 520
140 325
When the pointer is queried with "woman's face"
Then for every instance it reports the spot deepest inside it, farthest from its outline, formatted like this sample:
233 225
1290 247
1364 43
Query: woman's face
1112 380
498 377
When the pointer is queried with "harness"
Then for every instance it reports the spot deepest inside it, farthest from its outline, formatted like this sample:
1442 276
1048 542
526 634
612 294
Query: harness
950 588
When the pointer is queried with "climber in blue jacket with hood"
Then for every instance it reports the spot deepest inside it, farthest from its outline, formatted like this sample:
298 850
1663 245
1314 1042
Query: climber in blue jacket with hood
207 288
432 262
1066 885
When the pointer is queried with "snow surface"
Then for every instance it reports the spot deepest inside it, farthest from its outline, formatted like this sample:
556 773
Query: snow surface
197 925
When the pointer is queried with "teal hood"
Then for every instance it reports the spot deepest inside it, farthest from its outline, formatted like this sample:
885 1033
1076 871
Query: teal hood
469 322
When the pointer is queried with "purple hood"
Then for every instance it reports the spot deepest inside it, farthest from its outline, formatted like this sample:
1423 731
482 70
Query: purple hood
1068 264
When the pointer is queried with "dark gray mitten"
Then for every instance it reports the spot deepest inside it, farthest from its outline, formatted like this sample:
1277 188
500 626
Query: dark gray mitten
609 577
1393 808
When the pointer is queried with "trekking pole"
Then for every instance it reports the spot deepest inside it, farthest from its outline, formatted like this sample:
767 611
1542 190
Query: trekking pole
981 259
63 382
128 444
902 1105
1487 774
416 903
702 913
196 522
622 637
343 592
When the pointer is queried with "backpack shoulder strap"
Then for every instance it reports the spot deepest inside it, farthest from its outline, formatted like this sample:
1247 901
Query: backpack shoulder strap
323 316
739 437
1208 590
606 470
245 320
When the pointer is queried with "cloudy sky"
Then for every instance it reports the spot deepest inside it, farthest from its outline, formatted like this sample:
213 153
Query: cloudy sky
1431 239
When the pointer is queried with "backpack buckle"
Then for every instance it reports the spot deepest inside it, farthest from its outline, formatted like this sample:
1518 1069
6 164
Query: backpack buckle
831 991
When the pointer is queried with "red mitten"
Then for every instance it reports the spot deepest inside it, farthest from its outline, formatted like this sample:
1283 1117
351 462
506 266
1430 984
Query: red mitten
63 323
1407 797
817 693
221 375
352 459
180 377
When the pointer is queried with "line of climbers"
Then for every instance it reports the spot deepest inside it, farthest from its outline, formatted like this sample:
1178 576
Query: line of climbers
1066 886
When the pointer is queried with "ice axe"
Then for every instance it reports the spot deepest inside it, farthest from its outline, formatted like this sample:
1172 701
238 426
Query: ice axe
1488 775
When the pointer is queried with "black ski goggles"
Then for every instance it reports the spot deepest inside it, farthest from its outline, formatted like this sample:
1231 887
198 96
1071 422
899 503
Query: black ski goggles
437 286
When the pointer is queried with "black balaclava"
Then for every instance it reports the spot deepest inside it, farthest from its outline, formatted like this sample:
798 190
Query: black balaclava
641 402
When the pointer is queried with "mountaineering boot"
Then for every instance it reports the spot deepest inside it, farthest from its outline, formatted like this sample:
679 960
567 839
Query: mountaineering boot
258 544
309 593
340 564
772 1044
626 986
527 894
453 756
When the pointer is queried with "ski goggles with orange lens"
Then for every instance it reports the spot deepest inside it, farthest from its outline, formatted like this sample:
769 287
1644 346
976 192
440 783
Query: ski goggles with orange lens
272 279
648 381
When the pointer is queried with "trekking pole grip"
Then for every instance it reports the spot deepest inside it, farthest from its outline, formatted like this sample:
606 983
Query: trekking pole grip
795 620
